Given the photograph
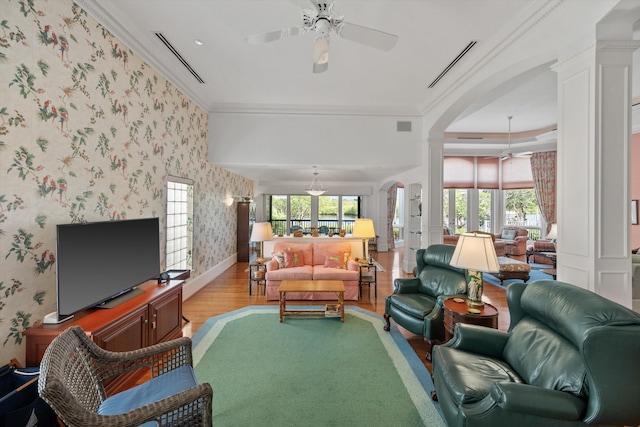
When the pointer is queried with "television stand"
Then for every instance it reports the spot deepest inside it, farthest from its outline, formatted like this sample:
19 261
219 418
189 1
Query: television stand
52 318
122 298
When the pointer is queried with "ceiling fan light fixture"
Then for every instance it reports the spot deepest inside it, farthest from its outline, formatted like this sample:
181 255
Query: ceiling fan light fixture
321 51
315 188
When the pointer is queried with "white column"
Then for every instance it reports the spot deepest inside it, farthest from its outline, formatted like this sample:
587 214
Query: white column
593 204
432 176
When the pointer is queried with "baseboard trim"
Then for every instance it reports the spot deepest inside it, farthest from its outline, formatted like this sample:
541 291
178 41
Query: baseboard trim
194 284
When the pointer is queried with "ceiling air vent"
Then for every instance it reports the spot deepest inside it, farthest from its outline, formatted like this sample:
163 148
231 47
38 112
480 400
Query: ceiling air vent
471 44
177 55
403 126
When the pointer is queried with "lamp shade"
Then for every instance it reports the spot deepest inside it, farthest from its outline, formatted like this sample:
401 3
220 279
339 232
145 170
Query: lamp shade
475 252
261 232
553 232
363 227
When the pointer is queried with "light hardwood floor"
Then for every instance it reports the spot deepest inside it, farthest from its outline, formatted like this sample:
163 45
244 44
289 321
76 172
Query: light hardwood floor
230 291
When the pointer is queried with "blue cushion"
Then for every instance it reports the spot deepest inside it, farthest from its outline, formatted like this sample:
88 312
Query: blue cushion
155 389
508 234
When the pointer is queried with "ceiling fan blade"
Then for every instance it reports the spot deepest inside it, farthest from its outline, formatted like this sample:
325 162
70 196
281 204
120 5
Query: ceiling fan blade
274 35
366 36
524 154
321 54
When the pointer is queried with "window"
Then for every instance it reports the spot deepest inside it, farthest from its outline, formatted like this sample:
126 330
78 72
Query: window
398 217
521 210
484 210
300 212
179 223
333 212
472 199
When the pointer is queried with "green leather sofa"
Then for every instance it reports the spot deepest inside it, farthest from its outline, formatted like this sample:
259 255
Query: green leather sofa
416 303
570 358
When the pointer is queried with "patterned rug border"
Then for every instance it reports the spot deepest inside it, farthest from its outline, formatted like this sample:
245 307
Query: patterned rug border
414 375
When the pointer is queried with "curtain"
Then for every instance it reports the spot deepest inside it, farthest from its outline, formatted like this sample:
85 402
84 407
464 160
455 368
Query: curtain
392 195
543 169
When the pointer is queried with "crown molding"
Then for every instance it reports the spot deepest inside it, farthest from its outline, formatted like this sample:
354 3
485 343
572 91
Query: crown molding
338 110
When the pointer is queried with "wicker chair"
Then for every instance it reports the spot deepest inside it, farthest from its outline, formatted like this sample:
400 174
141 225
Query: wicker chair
74 369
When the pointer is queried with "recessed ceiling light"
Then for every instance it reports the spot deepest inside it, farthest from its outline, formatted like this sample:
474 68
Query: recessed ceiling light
198 42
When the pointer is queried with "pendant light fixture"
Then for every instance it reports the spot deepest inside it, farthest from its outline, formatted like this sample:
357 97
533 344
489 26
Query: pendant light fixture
316 188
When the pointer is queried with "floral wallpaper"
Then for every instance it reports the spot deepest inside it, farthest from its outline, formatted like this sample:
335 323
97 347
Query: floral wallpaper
89 132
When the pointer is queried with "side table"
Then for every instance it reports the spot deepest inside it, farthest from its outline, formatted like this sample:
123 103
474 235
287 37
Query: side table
458 312
554 259
368 276
257 271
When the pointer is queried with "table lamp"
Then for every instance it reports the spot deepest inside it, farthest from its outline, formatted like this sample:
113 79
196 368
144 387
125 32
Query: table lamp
475 253
363 227
261 232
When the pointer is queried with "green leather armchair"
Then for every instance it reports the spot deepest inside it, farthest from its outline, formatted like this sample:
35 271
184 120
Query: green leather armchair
416 303
570 358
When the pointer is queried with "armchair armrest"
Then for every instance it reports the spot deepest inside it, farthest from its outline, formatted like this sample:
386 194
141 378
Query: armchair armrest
479 339
159 358
542 402
406 285
272 264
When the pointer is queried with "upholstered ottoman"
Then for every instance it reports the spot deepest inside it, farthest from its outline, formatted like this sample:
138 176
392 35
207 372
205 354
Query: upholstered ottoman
513 269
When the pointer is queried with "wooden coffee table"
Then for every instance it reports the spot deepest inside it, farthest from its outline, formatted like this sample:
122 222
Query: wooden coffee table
336 286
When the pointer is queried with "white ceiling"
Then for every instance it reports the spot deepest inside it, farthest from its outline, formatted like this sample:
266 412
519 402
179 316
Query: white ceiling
278 75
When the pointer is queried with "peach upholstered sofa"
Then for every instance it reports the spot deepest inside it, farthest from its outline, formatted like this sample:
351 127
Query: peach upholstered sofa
312 261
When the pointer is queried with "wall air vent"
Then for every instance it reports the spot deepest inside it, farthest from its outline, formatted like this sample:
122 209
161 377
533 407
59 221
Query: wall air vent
403 126
471 44
177 55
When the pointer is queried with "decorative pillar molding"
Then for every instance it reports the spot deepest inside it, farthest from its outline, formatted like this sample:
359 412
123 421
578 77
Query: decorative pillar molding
594 130
432 183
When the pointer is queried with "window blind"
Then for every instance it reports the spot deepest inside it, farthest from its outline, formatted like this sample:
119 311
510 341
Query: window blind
484 173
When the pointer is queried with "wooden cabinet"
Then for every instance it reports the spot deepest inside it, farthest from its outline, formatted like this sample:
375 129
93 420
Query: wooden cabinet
152 317
246 218
127 333
165 317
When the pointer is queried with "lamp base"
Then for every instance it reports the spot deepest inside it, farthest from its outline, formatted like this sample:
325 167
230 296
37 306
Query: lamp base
474 288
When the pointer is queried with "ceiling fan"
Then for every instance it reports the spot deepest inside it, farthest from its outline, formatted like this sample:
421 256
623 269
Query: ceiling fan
320 17
509 154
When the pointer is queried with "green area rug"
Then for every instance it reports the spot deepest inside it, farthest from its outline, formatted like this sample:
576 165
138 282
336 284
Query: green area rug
312 371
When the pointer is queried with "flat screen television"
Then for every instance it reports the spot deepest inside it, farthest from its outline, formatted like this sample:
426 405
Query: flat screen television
98 261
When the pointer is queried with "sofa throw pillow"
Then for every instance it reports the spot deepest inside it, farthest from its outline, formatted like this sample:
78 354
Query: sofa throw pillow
337 260
293 258
508 234
279 258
